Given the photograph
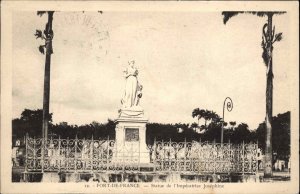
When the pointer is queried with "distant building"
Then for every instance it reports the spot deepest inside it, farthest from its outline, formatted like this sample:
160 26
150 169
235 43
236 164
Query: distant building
279 165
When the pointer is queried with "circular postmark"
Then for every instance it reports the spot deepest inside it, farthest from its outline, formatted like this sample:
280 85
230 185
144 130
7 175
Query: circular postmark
84 30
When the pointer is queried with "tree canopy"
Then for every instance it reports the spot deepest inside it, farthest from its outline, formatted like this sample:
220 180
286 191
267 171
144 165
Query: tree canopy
31 122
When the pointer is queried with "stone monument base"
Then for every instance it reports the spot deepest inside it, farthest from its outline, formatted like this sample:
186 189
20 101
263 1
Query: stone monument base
131 137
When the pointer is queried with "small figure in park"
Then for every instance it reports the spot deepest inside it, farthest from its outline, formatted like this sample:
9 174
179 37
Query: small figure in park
133 89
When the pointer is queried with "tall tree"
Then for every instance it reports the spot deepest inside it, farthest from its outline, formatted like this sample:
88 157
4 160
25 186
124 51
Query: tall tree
29 123
281 135
232 123
268 39
47 35
207 116
194 126
241 133
199 113
215 117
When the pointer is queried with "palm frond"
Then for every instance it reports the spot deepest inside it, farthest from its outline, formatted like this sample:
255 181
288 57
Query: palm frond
229 14
41 49
38 34
265 13
232 123
278 37
259 13
40 13
195 112
277 12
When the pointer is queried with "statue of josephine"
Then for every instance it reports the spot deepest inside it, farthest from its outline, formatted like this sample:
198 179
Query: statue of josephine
133 89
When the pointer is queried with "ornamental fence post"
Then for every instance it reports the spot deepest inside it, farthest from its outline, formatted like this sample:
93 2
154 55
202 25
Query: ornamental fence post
92 153
185 154
169 155
230 156
154 157
214 157
26 153
163 147
59 153
251 156
43 153
75 154
25 178
107 153
67 153
34 154
256 147
243 155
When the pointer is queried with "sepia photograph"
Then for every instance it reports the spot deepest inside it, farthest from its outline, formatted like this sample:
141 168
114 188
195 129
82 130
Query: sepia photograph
138 97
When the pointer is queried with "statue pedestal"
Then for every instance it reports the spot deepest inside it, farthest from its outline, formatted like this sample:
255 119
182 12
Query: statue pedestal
131 137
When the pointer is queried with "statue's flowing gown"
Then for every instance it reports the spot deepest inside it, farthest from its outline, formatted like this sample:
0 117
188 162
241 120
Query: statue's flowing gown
130 88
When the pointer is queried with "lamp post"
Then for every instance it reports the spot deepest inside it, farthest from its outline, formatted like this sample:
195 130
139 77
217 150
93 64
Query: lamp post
229 106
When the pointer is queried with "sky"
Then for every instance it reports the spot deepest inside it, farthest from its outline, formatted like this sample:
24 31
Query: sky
186 60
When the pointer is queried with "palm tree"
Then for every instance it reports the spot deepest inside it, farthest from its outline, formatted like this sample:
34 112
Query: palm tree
215 117
208 115
268 39
199 113
194 126
47 35
232 124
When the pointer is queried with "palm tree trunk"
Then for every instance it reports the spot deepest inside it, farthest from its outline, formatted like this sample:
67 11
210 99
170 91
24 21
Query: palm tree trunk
269 103
46 98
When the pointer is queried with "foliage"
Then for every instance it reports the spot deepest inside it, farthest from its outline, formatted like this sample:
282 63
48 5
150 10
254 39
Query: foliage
268 38
207 115
31 122
213 132
281 132
47 34
229 14
167 132
241 133
267 46
94 129
41 13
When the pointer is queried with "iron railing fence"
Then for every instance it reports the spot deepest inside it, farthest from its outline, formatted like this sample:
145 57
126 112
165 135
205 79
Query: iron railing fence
204 157
96 156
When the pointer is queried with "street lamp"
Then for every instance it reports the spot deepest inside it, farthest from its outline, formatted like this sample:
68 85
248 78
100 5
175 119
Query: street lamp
229 106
